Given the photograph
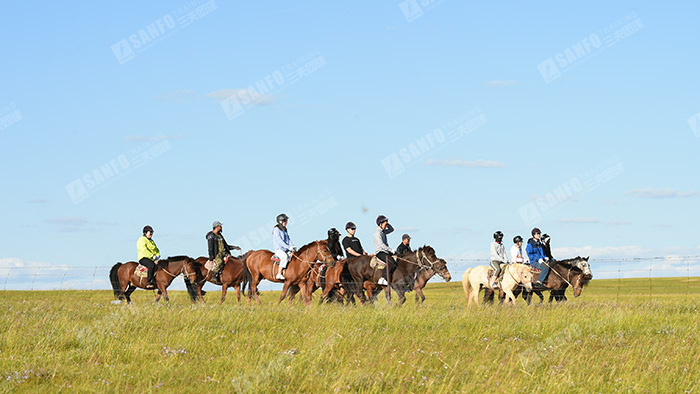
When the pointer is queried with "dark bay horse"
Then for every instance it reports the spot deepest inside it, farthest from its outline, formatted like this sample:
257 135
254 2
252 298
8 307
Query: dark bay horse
321 270
260 265
234 274
414 270
124 280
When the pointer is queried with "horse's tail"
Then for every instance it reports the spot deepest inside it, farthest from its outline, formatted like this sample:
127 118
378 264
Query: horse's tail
466 284
247 276
191 289
114 279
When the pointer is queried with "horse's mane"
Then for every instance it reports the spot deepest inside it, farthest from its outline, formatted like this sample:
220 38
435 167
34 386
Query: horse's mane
303 248
426 248
165 262
568 263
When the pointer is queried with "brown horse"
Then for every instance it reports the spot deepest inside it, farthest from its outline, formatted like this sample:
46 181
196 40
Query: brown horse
234 274
260 265
125 281
414 270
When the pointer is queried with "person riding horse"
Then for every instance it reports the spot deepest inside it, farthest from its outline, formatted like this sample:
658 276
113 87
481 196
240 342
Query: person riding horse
148 254
405 245
352 244
219 250
498 256
517 253
384 252
283 245
538 259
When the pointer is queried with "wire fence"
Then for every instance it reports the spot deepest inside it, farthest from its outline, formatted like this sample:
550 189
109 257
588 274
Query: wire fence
687 268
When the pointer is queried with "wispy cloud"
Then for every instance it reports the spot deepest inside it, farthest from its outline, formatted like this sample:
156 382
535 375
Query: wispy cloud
578 220
466 163
660 193
498 83
223 94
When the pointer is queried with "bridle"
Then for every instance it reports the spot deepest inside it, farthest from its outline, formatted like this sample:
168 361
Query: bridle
183 271
420 257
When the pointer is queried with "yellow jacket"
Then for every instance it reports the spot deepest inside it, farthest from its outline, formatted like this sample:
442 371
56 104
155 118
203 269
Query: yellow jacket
147 248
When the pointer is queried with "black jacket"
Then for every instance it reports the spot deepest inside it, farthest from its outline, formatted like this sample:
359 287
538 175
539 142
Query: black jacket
213 245
403 249
547 249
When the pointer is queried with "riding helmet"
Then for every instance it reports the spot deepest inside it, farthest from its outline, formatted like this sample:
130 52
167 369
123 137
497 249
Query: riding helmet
517 239
498 235
546 238
147 229
536 231
350 225
333 231
282 217
381 219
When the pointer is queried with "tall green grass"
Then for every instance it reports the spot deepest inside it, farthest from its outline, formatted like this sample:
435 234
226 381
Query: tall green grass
609 339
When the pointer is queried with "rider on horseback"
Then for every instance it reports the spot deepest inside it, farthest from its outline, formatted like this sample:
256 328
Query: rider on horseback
384 252
351 244
546 247
535 253
219 250
498 256
284 247
148 254
405 245
517 253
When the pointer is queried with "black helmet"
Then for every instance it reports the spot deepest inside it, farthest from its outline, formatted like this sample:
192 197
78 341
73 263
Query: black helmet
147 229
517 239
498 235
545 238
381 219
535 231
281 218
350 225
333 231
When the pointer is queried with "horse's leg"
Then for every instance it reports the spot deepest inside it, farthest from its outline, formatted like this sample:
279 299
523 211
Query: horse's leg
254 289
127 294
237 287
387 291
420 297
509 296
474 297
285 289
224 289
199 292
368 288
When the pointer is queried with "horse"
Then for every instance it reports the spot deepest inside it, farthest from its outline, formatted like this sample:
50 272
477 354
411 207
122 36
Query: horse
318 272
413 271
234 274
125 281
474 279
364 278
260 265
575 272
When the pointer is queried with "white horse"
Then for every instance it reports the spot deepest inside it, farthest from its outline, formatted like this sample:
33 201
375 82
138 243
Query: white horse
477 278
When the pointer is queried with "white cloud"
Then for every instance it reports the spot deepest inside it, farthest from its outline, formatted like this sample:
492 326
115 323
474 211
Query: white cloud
578 220
501 83
465 163
660 193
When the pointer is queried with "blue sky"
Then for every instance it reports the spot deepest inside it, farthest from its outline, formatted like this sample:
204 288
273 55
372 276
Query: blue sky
315 147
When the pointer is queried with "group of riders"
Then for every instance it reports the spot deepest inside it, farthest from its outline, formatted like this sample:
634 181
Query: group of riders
537 253
219 251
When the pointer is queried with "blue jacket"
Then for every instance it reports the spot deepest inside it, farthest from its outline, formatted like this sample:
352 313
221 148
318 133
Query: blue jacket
535 251
280 240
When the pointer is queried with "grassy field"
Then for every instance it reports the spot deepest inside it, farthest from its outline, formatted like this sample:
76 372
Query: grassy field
610 339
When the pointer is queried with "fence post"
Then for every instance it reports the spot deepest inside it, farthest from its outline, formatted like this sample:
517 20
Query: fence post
36 271
64 277
92 284
619 278
9 270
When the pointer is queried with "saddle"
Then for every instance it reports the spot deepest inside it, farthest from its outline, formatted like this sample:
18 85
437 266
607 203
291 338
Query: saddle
377 264
141 271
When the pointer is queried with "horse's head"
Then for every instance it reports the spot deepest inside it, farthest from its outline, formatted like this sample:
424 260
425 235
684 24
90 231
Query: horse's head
524 275
190 269
582 264
323 252
580 280
440 267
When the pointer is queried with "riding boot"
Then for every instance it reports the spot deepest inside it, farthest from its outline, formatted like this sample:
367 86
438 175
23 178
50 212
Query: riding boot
150 280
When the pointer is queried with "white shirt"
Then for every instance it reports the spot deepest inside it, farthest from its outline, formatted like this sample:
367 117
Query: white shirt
498 252
519 255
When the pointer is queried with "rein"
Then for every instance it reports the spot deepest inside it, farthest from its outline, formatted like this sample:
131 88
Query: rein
419 259
555 271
